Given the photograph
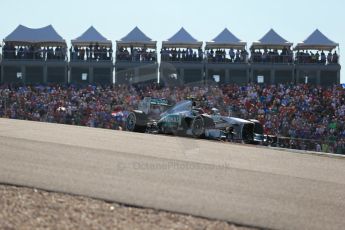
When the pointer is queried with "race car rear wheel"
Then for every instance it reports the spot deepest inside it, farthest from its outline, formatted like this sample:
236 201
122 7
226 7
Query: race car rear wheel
133 123
198 127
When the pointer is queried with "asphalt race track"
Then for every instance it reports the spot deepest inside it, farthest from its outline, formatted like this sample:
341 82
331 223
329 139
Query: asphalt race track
247 185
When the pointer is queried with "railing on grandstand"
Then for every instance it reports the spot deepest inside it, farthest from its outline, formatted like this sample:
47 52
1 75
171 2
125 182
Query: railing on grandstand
305 59
271 59
190 59
43 55
139 57
222 59
91 57
34 55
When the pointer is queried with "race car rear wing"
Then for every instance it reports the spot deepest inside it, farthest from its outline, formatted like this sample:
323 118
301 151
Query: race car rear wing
145 104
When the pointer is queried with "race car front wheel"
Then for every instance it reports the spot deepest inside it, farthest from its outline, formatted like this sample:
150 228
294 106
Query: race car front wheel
198 127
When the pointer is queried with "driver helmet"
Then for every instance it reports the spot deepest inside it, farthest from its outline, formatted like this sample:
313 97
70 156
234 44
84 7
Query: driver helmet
215 111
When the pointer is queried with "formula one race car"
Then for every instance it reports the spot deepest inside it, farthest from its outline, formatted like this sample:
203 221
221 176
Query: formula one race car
186 119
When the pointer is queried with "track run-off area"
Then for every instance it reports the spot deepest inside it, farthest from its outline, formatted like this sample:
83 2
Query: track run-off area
248 185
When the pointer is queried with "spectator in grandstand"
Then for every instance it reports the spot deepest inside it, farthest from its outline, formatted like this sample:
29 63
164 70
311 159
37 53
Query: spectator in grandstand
180 55
329 57
335 57
35 52
271 55
232 55
222 55
323 58
137 54
87 53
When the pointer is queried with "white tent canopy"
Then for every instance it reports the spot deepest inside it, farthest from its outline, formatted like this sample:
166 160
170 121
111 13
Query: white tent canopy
271 40
137 38
91 36
43 36
317 41
226 39
182 39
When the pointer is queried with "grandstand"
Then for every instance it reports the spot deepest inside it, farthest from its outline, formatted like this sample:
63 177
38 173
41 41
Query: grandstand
36 56
91 58
225 65
136 59
182 59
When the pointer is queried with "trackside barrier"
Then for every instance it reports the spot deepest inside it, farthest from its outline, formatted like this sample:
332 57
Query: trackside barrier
326 146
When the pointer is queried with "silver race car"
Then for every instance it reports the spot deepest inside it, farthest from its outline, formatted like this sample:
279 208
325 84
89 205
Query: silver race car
186 119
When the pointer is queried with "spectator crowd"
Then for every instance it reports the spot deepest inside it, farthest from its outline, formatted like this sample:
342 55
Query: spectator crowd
136 54
221 55
317 58
272 56
308 117
181 55
33 52
91 53
96 52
